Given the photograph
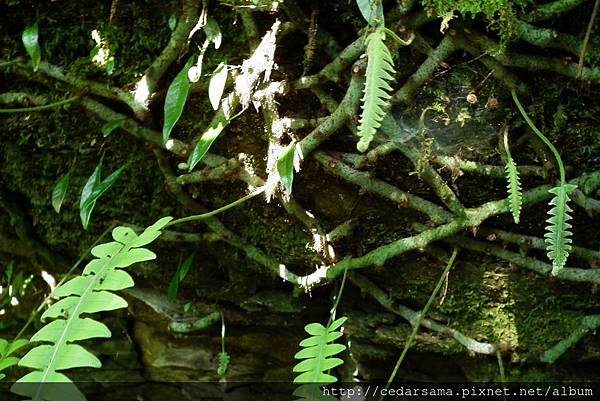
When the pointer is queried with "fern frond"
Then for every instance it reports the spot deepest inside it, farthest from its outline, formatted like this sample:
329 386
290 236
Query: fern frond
89 293
224 360
317 353
558 243
515 197
380 70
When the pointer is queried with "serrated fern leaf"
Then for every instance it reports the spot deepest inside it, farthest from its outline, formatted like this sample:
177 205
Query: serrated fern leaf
317 356
558 243
380 70
224 360
515 197
85 294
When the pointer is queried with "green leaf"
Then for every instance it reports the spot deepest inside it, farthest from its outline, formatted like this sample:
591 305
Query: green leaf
110 65
59 192
51 386
216 85
206 140
317 353
557 237
175 100
179 276
372 11
285 167
82 295
112 125
213 32
30 41
380 68
16 345
515 197
6 363
172 22
93 189
94 52
224 360
558 243
7 349
3 347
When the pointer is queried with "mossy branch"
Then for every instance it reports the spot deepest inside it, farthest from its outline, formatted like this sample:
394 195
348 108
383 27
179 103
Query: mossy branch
588 324
177 43
368 287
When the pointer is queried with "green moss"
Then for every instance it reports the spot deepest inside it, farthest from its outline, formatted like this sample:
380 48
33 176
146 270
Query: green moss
500 13
272 230
40 149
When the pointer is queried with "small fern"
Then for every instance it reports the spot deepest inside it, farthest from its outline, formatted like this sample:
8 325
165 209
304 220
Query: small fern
317 354
224 360
380 70
515 197
558 243
85 294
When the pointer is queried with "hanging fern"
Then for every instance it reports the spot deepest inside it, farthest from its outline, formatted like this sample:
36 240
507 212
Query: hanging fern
224 360
85 294
515 197
317 354
380 70
558 243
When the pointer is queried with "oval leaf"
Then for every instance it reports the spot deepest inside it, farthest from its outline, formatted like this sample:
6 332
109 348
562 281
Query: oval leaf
30 41
60 191
172 22
93 189
371 10
175 101
285 167
179 277
208 137
217 85
110 126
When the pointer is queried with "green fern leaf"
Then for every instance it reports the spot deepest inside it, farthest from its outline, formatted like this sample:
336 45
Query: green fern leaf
85 294
317 352
224 360
515 197
380 70
558 243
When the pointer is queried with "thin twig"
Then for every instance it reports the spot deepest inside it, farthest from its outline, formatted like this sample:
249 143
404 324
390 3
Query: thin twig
586 39
204 216
40 108
420 318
